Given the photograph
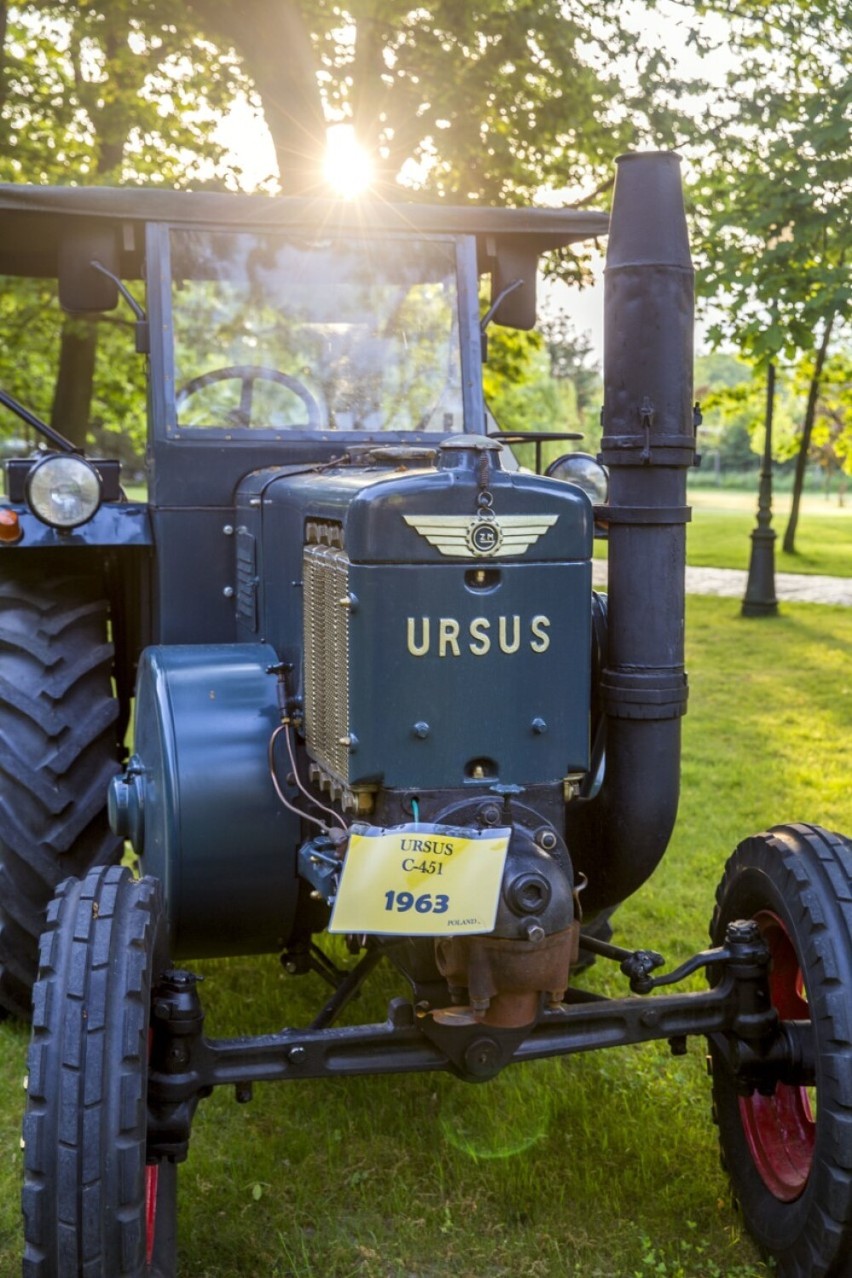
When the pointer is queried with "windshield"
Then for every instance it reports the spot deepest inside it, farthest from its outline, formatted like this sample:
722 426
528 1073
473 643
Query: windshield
280 333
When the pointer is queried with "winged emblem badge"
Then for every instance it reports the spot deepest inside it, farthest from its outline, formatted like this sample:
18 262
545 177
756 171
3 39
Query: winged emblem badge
481 536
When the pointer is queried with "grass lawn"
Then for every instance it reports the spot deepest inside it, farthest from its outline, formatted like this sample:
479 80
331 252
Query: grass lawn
719 535
600 1166
722 521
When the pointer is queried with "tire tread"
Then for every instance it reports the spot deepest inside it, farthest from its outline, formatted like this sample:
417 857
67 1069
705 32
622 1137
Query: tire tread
83 1195
58 752
808 871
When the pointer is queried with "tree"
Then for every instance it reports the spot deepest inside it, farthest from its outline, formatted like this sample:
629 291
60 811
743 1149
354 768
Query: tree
773 197
120 93
832 431
478 101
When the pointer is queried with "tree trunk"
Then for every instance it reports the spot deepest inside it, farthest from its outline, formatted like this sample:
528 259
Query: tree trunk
274 42
72 393
805 442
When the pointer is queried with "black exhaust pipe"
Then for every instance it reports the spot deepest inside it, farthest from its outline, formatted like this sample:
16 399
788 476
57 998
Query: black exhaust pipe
618 837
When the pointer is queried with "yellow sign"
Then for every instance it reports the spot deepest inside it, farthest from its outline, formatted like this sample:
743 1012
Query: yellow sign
420 880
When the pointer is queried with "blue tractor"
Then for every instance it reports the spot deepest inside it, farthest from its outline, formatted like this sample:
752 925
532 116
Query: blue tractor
373 693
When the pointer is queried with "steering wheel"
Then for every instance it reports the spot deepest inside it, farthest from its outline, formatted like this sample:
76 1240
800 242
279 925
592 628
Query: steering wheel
248 374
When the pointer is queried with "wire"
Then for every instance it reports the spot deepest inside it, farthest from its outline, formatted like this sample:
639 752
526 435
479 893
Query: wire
322 807
284 727
281 795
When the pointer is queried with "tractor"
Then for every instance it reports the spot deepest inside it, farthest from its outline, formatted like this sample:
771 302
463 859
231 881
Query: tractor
368 690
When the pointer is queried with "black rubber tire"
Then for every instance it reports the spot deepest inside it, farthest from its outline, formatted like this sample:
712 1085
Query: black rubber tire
796 881
85 1127
58 750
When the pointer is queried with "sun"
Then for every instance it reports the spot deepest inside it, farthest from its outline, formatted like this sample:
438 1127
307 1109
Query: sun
348 168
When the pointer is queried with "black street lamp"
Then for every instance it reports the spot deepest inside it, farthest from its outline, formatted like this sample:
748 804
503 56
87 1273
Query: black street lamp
760 600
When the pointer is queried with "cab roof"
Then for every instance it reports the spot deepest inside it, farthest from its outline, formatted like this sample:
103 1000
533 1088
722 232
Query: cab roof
34 220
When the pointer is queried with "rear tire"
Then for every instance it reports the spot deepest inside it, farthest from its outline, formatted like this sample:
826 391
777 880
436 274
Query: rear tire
58 751
789 1156
86 1183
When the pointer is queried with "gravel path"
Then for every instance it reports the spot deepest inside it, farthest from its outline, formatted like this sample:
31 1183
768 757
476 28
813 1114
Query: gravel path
731 582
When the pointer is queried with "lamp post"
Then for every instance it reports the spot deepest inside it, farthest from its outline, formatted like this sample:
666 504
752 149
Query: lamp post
760 600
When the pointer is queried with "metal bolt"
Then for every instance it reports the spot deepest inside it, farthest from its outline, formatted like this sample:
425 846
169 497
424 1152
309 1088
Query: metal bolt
482 1057
742 932
297 1056
421 730
538 726
228 592
535 933
546 839
490 813
228 530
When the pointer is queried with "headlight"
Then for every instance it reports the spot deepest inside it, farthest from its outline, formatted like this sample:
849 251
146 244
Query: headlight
583 470
64 491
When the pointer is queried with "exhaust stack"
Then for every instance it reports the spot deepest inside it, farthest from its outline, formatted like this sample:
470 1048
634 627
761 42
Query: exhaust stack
618 837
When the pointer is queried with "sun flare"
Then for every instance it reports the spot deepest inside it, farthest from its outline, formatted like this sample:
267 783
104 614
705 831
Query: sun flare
348 168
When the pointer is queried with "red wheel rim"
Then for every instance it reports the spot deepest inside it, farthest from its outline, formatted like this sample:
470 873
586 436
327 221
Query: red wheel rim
152 1176
781 1129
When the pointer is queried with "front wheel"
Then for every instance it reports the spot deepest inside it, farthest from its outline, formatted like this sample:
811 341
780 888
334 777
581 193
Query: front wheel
789 1155
92 1207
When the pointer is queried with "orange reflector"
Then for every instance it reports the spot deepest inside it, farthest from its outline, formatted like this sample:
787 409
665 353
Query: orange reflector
10 526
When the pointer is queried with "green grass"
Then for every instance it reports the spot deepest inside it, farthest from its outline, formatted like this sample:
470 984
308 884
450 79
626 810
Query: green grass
720 533
600 1166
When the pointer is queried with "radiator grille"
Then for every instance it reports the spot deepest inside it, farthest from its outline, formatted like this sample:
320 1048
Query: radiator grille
326 584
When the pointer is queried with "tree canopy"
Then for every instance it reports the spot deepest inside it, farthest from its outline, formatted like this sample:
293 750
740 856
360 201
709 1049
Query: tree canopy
773 193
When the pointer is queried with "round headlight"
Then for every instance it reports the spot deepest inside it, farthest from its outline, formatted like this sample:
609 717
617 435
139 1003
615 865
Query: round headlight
583 470
64 491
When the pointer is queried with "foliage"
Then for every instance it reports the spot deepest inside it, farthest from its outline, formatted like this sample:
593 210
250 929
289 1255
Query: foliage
120 93
732 396
832 434
489 101
541 381
774 192
124 92
572 359
772 195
